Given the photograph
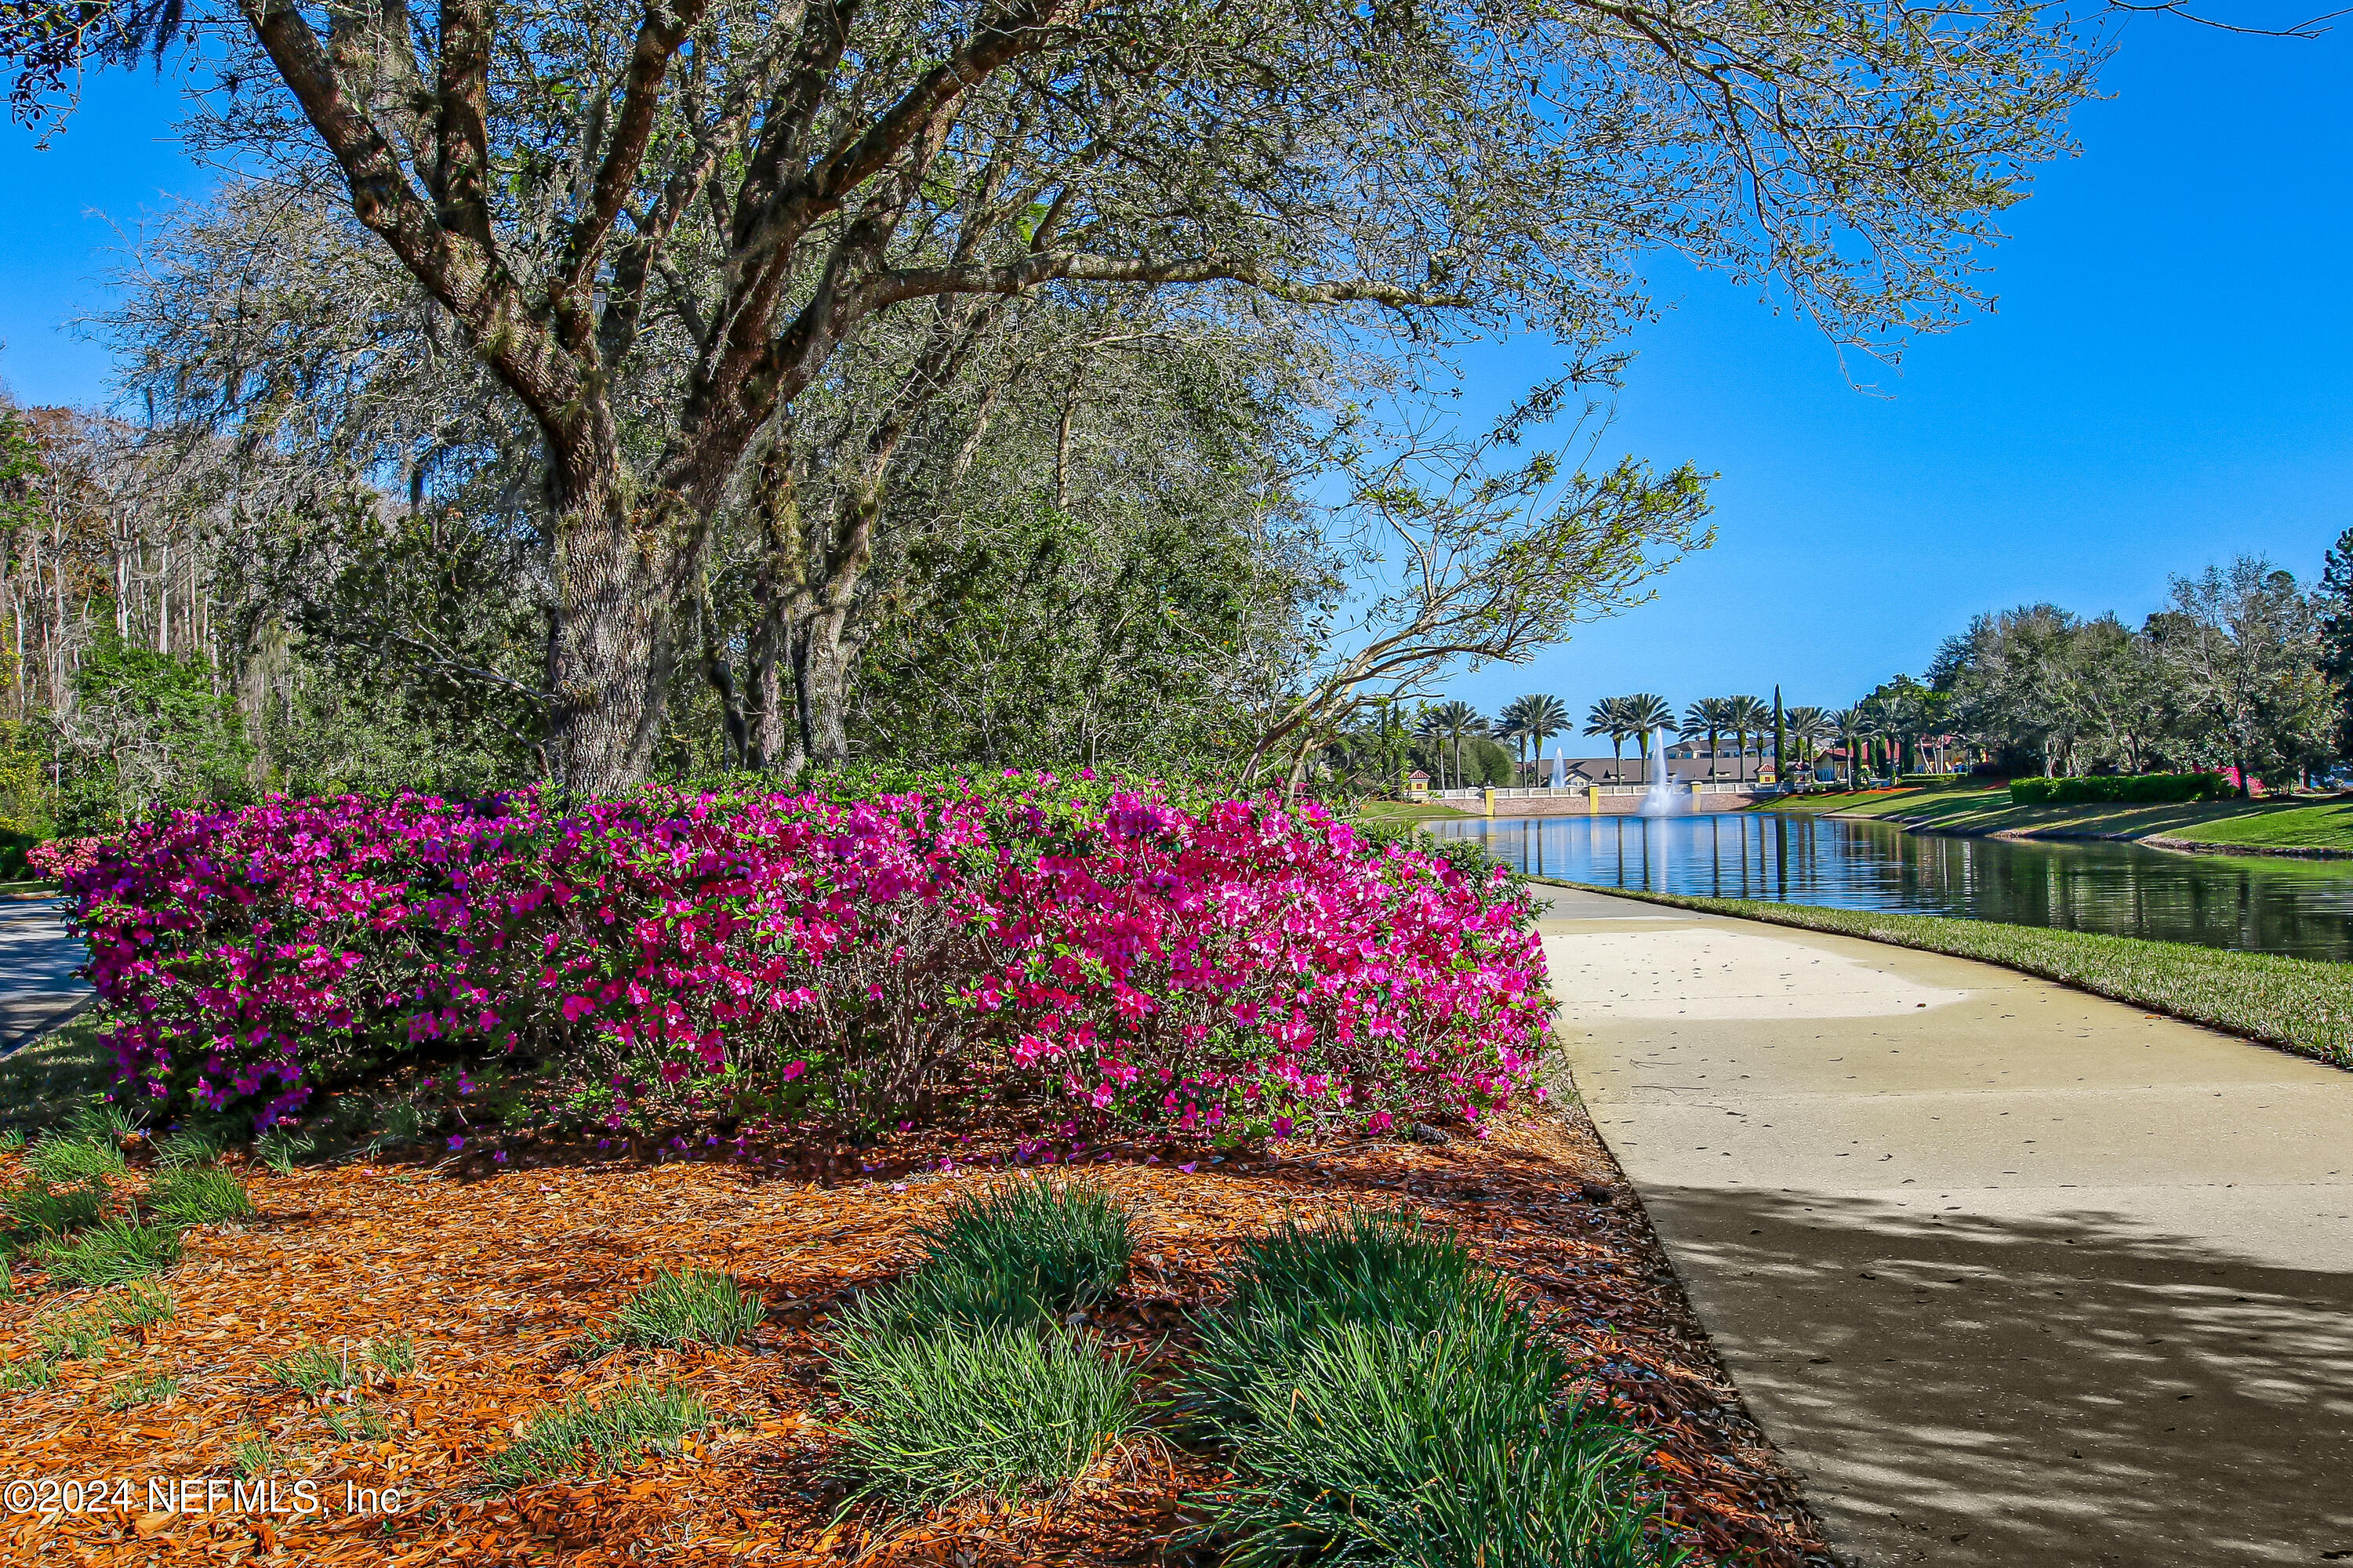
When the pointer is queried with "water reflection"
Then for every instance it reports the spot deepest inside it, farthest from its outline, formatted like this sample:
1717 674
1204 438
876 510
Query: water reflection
2276 905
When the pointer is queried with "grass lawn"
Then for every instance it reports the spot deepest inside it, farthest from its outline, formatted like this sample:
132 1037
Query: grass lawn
451 1330
44 1080
2295 823
1406 811
2301 1004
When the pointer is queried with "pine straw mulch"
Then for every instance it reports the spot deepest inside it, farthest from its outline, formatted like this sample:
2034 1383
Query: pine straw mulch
497 1275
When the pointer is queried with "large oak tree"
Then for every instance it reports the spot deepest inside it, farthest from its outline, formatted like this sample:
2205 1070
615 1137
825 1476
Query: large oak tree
741 187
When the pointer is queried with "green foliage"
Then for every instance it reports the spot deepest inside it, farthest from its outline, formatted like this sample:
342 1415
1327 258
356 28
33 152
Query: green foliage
691 1308
1110 631
394 1358
72 1336
1299 1282
1437 1449
954 1410
281 1148
311 1372
73 1159
188 1196
186 1149
27 1373
599 1433
146 730
114 1251
253 1456
138 1305
1025 1250
36 1211
152 1388
2144 788
357 1422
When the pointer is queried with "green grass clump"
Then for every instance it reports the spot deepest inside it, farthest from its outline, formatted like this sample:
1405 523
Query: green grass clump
33 1210
136 1306
395 1357
27 1373
2305 1005
133 1391
281 1149
57 1160
1299 1282
691 1308
1022 1251
593 1433
1436 1451
187 1148
72 1337
958 1410
253 1456
313 1371
115 1250
195 1195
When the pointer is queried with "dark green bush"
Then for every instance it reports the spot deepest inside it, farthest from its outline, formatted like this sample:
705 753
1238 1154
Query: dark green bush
1300 1282
2123 788
1433 1450
956 1410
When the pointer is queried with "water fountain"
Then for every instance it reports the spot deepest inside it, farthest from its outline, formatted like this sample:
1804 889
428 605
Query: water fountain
1664 800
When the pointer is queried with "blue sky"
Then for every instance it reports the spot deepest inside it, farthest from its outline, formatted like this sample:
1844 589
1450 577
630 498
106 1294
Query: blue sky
2168 382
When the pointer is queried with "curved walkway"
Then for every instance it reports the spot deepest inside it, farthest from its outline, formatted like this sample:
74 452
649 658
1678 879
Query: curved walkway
38 984
2012 1275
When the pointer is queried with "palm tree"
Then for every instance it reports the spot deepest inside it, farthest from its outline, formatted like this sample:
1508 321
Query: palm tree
1647 712
1512 725
1809 728
1539 718
1608 717
1749 717
1453 723
1848 725
1710 716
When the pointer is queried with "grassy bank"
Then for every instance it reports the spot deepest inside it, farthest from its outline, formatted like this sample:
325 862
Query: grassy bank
1406 811
2257 825
2298 1004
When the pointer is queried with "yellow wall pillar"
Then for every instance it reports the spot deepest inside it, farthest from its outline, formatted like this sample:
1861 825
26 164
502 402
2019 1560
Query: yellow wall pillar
1491 799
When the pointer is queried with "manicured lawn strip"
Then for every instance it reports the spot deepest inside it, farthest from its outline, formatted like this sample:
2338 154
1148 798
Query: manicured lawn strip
2272 824
1406 811
2299 1004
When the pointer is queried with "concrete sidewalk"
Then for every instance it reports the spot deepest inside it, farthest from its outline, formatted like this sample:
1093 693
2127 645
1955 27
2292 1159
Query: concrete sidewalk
2013 1274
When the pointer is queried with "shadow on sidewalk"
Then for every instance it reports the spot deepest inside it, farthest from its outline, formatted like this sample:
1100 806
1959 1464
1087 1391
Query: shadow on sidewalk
2042 1391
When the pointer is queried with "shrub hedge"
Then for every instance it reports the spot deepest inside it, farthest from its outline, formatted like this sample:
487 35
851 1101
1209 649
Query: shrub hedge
2138 789
1217 967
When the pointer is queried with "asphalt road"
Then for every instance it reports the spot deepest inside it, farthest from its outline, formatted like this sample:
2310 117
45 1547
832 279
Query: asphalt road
37 959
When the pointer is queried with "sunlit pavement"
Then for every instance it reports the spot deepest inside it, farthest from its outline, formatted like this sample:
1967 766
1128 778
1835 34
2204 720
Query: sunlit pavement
2013 1274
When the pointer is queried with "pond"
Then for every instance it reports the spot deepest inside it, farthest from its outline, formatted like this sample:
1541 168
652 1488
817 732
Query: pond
2268 904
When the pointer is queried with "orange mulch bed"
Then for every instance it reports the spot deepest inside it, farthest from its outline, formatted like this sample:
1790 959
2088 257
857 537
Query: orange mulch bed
498 1276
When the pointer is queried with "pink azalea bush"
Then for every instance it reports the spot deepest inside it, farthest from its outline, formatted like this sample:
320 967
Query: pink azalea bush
1231 971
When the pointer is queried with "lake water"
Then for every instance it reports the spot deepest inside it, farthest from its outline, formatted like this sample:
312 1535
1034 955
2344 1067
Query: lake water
2269 905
